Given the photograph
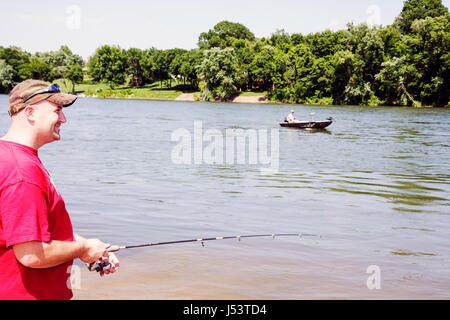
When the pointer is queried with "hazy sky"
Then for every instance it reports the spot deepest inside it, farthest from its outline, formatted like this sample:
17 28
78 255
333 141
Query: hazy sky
84 25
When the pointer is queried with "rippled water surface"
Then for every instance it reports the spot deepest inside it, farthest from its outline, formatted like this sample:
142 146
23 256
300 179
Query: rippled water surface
375 185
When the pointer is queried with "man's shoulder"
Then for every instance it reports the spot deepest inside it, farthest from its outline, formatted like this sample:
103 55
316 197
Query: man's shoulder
15 168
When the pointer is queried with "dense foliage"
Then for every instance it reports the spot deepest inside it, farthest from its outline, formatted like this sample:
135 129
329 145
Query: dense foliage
406 63
17 65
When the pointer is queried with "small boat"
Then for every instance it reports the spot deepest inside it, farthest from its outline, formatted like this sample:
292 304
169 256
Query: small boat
308 124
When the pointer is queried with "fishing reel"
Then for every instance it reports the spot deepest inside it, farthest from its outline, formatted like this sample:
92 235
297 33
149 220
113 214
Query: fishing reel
103 264
99 266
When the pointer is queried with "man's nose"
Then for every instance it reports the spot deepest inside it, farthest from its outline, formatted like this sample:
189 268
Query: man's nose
62 117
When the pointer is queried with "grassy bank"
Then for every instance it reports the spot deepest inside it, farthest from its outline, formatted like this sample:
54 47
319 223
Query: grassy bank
148 91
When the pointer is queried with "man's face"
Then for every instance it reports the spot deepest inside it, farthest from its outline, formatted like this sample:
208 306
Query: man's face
48 118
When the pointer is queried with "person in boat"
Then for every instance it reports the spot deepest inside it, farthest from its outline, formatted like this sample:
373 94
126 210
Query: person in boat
291 118
37 242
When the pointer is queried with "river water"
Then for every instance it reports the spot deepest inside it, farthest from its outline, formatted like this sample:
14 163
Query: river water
374 185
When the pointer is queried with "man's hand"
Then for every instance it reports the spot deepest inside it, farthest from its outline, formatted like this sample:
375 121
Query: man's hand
114 264
93 250
107 257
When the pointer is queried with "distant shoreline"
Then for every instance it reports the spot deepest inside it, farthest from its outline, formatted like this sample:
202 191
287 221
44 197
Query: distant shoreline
187 97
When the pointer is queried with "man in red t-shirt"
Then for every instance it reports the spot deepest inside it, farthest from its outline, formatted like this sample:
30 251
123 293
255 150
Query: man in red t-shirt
37 243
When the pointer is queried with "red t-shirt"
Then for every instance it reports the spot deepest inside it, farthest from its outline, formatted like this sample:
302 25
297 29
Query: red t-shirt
31 209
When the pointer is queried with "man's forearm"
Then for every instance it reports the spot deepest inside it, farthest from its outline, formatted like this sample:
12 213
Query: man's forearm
39 255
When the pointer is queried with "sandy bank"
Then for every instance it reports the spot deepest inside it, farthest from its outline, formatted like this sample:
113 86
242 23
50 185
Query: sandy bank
185 97
251 99
239 99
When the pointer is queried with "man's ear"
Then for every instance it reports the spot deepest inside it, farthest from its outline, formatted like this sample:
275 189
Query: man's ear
30 112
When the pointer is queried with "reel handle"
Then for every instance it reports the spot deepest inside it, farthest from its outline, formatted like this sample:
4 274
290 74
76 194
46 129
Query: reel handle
113 248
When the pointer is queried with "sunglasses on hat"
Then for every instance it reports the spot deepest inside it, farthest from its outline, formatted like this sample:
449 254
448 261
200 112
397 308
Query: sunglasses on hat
54 88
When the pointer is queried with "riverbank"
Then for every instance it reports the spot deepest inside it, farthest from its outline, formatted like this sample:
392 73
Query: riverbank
178 92
183 97
258 99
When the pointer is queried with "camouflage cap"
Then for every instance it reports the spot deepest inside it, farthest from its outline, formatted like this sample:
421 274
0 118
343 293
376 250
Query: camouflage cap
30 92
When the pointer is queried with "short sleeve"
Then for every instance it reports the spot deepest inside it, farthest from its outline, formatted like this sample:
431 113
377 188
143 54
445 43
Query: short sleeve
24 214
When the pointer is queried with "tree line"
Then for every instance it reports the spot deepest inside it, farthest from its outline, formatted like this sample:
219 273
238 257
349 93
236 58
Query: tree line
17 65
406 63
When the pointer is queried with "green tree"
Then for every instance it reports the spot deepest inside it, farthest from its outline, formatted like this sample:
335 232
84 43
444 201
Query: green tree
245 53
301 60
75 75
190 65
147 63
160 66
280 39
268 67
219 71
136 66
394 44
394 78
326 43
108 64
344 63
60 61
223 35
371 49
433 58
163 65
315 85
7 76
355 68
14 57
418 9
175 60
36 69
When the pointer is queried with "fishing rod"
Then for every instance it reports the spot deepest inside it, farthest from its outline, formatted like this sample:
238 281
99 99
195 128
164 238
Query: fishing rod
102 266
202 240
